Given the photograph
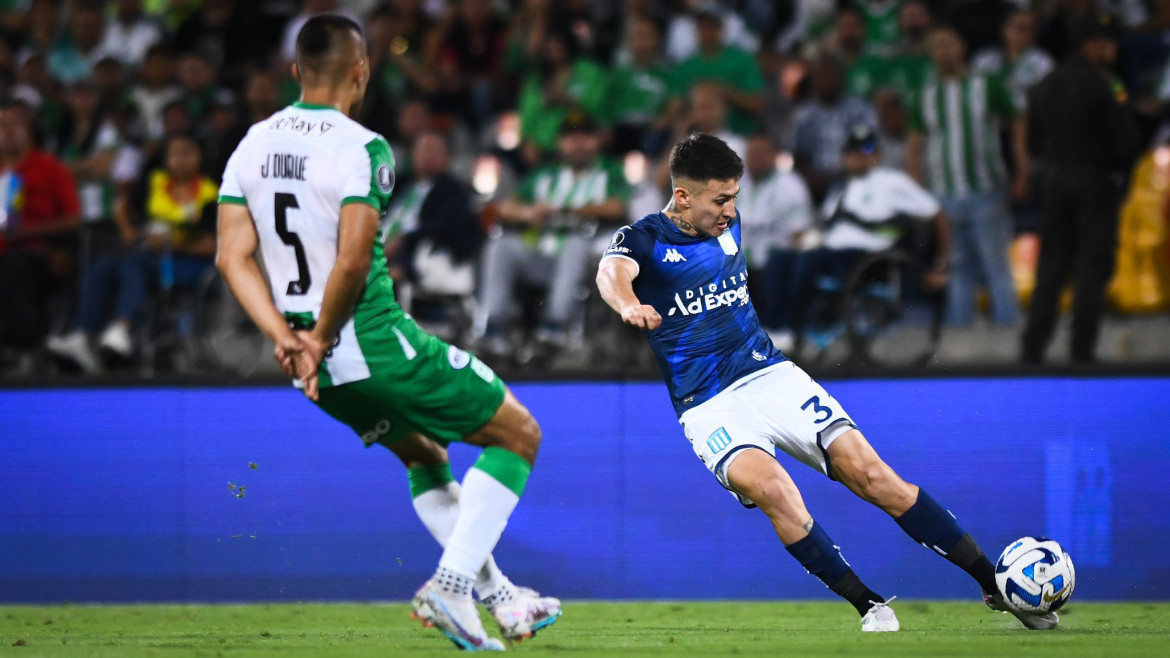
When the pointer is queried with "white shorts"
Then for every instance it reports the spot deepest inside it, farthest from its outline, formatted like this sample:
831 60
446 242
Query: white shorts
781 406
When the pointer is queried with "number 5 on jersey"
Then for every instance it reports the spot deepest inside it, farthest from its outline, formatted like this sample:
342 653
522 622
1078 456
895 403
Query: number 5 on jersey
284 201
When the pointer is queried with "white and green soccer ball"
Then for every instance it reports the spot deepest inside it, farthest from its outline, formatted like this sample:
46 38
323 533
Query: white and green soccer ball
1035 575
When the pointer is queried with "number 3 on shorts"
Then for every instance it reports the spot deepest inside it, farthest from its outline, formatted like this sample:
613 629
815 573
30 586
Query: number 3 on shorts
815 402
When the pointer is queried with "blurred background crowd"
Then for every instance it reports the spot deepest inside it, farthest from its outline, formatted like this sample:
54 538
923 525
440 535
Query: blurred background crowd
526 131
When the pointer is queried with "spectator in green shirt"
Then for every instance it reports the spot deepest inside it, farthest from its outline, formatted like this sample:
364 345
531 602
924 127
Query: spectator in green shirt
546 233
736 72
561 80
954 150
881 22
642 92
911 65
73 57
865 70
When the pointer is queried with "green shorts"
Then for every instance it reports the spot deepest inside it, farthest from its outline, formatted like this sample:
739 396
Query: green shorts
435 389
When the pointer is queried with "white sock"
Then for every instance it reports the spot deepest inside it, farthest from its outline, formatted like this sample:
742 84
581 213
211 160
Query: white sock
484 508
438 509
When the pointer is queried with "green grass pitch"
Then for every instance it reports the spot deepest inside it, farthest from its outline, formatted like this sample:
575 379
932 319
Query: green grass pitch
693 629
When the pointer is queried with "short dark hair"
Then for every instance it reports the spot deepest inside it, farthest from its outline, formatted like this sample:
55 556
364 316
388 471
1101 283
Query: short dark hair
703 157
319 39
182 136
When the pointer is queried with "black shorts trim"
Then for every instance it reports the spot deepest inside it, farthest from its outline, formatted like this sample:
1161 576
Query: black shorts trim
821 445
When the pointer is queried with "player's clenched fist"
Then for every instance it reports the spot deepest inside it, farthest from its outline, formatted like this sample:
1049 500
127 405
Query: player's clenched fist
642 317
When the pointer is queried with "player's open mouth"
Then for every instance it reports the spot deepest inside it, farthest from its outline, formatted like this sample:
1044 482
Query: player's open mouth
722 226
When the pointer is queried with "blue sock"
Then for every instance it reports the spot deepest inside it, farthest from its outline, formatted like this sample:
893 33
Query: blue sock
931 525
822 559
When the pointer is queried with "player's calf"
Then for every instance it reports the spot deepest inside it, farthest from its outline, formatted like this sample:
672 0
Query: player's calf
490 491
857 466
757 476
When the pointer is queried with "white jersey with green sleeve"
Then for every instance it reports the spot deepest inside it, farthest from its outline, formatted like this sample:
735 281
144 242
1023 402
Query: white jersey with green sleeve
294 171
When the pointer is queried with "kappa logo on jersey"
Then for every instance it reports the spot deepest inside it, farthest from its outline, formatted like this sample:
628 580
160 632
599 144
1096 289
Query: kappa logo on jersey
711 297
672 256
385 178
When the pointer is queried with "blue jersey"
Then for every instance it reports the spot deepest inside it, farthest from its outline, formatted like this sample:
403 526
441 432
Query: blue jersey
710 336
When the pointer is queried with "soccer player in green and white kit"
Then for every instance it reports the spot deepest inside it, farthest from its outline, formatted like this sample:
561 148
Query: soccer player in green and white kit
308 187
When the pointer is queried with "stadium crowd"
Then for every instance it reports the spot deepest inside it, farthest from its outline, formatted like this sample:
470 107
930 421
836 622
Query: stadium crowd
526 131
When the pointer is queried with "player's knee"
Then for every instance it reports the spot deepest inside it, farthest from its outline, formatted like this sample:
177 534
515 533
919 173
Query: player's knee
523 438
772 495
875 481
529 438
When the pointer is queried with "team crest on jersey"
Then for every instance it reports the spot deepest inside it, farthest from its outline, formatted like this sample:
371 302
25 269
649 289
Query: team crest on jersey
385 175
457 357
615 246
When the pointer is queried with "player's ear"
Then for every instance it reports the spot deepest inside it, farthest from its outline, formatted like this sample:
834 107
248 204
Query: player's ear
682 198
361 72
296 73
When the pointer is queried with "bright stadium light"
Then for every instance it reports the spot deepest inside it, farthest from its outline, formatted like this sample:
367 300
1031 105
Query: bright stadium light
485 177
634 166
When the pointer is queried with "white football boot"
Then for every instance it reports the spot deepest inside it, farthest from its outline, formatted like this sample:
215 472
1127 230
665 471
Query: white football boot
521 611
1044 622
880 618
453 616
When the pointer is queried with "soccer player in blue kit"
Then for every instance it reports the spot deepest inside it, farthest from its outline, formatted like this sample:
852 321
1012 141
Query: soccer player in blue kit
680 275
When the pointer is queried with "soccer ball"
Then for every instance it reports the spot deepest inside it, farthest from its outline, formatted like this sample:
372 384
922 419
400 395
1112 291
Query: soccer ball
1035 575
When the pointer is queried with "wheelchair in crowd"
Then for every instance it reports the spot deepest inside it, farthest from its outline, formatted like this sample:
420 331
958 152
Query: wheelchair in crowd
201 330
880 313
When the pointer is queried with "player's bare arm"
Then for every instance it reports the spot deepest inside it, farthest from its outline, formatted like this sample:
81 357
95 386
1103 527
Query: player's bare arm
357 230
615 281
235 258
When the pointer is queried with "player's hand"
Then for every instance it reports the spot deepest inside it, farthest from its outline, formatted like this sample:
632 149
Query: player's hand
643 317
309 362
285 349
